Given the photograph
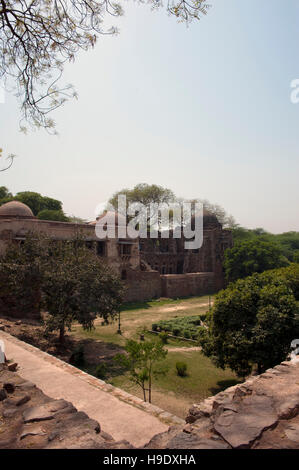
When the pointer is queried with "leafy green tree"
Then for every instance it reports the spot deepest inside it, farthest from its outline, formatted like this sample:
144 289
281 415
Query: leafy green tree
76 220
4 193
145 194
37 202
252 256
78 286
288 275
67 279
21 268
288 241
48 214
252 323
142 360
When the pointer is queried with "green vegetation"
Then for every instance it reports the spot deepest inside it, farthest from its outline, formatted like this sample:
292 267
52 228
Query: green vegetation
133 319
253 321
47 214
77 358
187 327
252 256
172 393
163 337
45 208
169 391
101 370
69 280
181 368
147 194
288 241
142 360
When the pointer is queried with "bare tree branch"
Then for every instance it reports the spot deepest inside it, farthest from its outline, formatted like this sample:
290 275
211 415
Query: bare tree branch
38 36
10 158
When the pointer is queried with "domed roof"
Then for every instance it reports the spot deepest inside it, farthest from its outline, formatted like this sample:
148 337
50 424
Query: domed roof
111 218
208 218
15 209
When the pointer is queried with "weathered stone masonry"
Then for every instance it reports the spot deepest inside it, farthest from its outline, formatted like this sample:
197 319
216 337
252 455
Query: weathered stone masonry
150 268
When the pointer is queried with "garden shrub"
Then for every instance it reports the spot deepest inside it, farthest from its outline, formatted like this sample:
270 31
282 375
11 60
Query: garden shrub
176 332
181 368
77 358
101 370
163 337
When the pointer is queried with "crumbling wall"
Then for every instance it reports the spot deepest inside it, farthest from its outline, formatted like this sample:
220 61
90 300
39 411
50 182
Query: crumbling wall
185 285
142 285
261 413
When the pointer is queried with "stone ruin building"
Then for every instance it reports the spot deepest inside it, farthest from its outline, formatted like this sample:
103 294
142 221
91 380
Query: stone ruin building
150 268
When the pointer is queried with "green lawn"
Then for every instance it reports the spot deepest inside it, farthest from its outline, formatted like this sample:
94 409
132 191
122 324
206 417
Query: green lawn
171 392
135 317
176 394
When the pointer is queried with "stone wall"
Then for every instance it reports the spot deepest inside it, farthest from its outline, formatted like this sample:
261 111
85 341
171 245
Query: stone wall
30 419
261 413
184 285
151 285
142 285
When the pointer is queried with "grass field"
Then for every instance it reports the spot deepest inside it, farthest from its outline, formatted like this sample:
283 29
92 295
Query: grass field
171 392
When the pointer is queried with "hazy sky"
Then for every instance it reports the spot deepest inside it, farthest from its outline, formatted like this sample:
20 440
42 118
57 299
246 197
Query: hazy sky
203 110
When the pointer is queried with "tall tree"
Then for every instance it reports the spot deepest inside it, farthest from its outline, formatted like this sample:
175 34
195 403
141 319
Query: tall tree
4 193
48 214
252 256
78 286
69 280
145 194
252 322
34 200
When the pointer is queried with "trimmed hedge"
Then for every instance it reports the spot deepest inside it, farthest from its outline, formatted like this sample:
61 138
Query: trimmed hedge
187 327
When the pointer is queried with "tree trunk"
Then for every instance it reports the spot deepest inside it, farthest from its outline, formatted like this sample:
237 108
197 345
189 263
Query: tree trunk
61 335
150 389
144 395
259 368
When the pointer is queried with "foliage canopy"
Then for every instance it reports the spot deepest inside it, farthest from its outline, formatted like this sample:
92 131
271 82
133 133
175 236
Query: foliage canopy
253 321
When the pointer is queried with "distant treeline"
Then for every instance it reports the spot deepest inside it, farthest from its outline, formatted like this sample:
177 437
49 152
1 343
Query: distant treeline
43 207
288 241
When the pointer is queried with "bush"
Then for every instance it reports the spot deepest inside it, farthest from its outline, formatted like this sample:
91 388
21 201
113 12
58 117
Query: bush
176 332
101 370
181 368
178 325
77 358
163 337
154 326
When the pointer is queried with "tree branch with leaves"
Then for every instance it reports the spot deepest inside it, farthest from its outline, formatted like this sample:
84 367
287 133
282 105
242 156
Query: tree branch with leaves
38 37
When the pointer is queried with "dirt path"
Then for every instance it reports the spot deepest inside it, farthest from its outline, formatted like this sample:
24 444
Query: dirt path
57 380
182 307
192 348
